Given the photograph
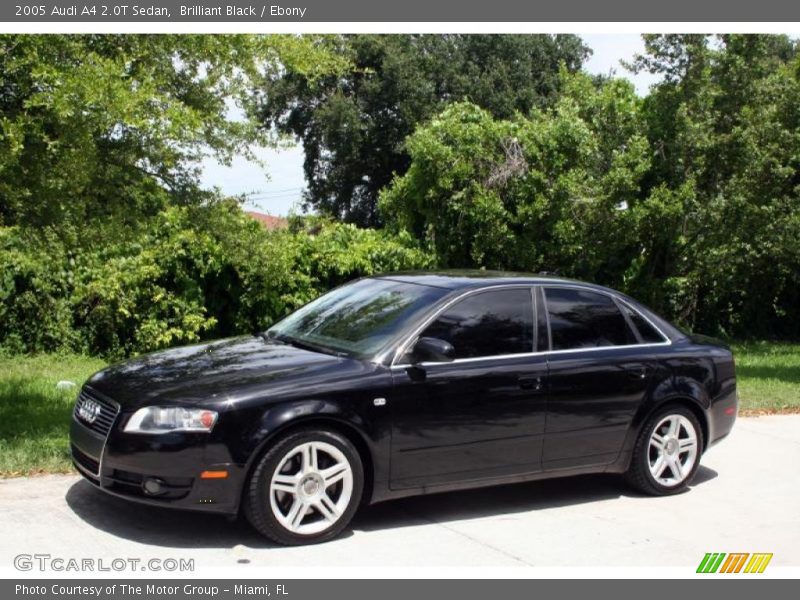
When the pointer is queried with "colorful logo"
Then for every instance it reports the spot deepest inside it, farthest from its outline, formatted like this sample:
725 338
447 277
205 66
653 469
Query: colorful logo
734 562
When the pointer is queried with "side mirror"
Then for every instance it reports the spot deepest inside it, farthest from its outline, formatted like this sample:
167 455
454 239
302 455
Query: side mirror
428 349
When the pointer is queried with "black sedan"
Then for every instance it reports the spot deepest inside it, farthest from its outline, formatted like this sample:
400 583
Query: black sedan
408 384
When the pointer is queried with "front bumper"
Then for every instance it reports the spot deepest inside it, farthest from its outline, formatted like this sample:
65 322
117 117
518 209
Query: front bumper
120 464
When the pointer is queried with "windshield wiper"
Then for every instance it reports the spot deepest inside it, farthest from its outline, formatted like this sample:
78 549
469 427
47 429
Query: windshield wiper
302 344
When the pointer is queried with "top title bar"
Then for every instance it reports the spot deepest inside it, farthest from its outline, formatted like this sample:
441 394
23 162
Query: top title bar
465 11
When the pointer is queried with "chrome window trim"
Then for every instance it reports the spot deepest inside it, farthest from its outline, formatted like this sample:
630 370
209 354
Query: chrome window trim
404 345
529 354
471 359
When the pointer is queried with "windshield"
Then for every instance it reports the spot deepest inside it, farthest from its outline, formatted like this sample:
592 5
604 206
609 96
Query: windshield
358 319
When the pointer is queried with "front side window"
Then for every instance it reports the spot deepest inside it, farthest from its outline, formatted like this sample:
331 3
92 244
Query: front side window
487 324
585 319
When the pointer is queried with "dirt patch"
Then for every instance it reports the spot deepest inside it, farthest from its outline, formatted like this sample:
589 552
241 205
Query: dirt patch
763 412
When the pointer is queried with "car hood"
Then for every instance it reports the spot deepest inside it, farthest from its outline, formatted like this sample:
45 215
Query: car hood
214 373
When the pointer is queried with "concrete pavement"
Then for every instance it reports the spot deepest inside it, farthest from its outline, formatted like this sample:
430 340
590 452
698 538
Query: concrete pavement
745 499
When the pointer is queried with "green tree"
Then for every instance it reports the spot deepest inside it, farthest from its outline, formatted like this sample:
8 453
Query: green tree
689 198
114 125
108 245
352 125
719 220
546 191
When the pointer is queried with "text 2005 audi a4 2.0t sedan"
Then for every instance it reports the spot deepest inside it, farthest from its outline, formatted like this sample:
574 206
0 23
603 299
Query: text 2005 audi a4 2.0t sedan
408 384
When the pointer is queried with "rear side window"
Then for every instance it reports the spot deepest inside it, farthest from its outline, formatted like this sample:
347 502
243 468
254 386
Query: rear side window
487 324
647 332
585 319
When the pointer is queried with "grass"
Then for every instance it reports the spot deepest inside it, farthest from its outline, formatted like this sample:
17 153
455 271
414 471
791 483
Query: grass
768 377
34 415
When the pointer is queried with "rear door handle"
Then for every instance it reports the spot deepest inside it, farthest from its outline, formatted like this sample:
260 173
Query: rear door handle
637 373
530 382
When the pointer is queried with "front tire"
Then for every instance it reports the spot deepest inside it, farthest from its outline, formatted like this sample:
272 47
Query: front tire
667 453
306 488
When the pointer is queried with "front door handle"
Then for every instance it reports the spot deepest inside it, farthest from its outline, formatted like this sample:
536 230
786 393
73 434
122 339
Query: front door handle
530 382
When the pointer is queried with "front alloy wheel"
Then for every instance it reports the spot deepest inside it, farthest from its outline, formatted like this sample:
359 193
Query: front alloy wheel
667 453
306 488
311 488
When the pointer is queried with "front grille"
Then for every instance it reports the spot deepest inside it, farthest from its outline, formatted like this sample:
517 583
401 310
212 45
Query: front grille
85 461
99 413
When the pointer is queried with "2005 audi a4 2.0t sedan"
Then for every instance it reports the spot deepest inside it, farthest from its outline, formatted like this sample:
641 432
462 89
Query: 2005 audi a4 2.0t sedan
408 384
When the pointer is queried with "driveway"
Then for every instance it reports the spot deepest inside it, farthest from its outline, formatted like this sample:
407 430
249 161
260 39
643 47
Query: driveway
744 499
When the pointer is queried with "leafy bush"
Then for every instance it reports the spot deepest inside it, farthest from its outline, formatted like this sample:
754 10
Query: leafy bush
190 273
35 289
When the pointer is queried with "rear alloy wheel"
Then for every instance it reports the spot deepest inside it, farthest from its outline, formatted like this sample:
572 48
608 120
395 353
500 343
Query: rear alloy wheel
306 488
673 450
667 454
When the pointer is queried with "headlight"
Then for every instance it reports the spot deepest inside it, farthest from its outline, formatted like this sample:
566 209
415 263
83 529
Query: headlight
163 419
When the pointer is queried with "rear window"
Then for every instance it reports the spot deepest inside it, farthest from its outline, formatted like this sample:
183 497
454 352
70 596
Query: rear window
585 319
647 333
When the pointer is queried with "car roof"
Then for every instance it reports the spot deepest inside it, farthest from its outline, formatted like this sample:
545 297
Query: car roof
465 279
457 279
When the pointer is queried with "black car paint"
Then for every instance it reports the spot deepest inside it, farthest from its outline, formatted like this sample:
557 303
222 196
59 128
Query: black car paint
467 420
443 427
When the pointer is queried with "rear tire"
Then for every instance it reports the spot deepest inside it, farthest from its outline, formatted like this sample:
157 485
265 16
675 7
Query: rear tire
306 488
667 453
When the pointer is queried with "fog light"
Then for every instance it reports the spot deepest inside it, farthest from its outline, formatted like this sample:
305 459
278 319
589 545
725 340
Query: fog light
153 486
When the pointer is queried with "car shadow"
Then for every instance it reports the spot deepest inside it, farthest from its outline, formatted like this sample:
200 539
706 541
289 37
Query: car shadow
171 528
157 526
503 500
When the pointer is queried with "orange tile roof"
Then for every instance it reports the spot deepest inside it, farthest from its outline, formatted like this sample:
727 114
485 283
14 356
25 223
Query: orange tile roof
269 221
